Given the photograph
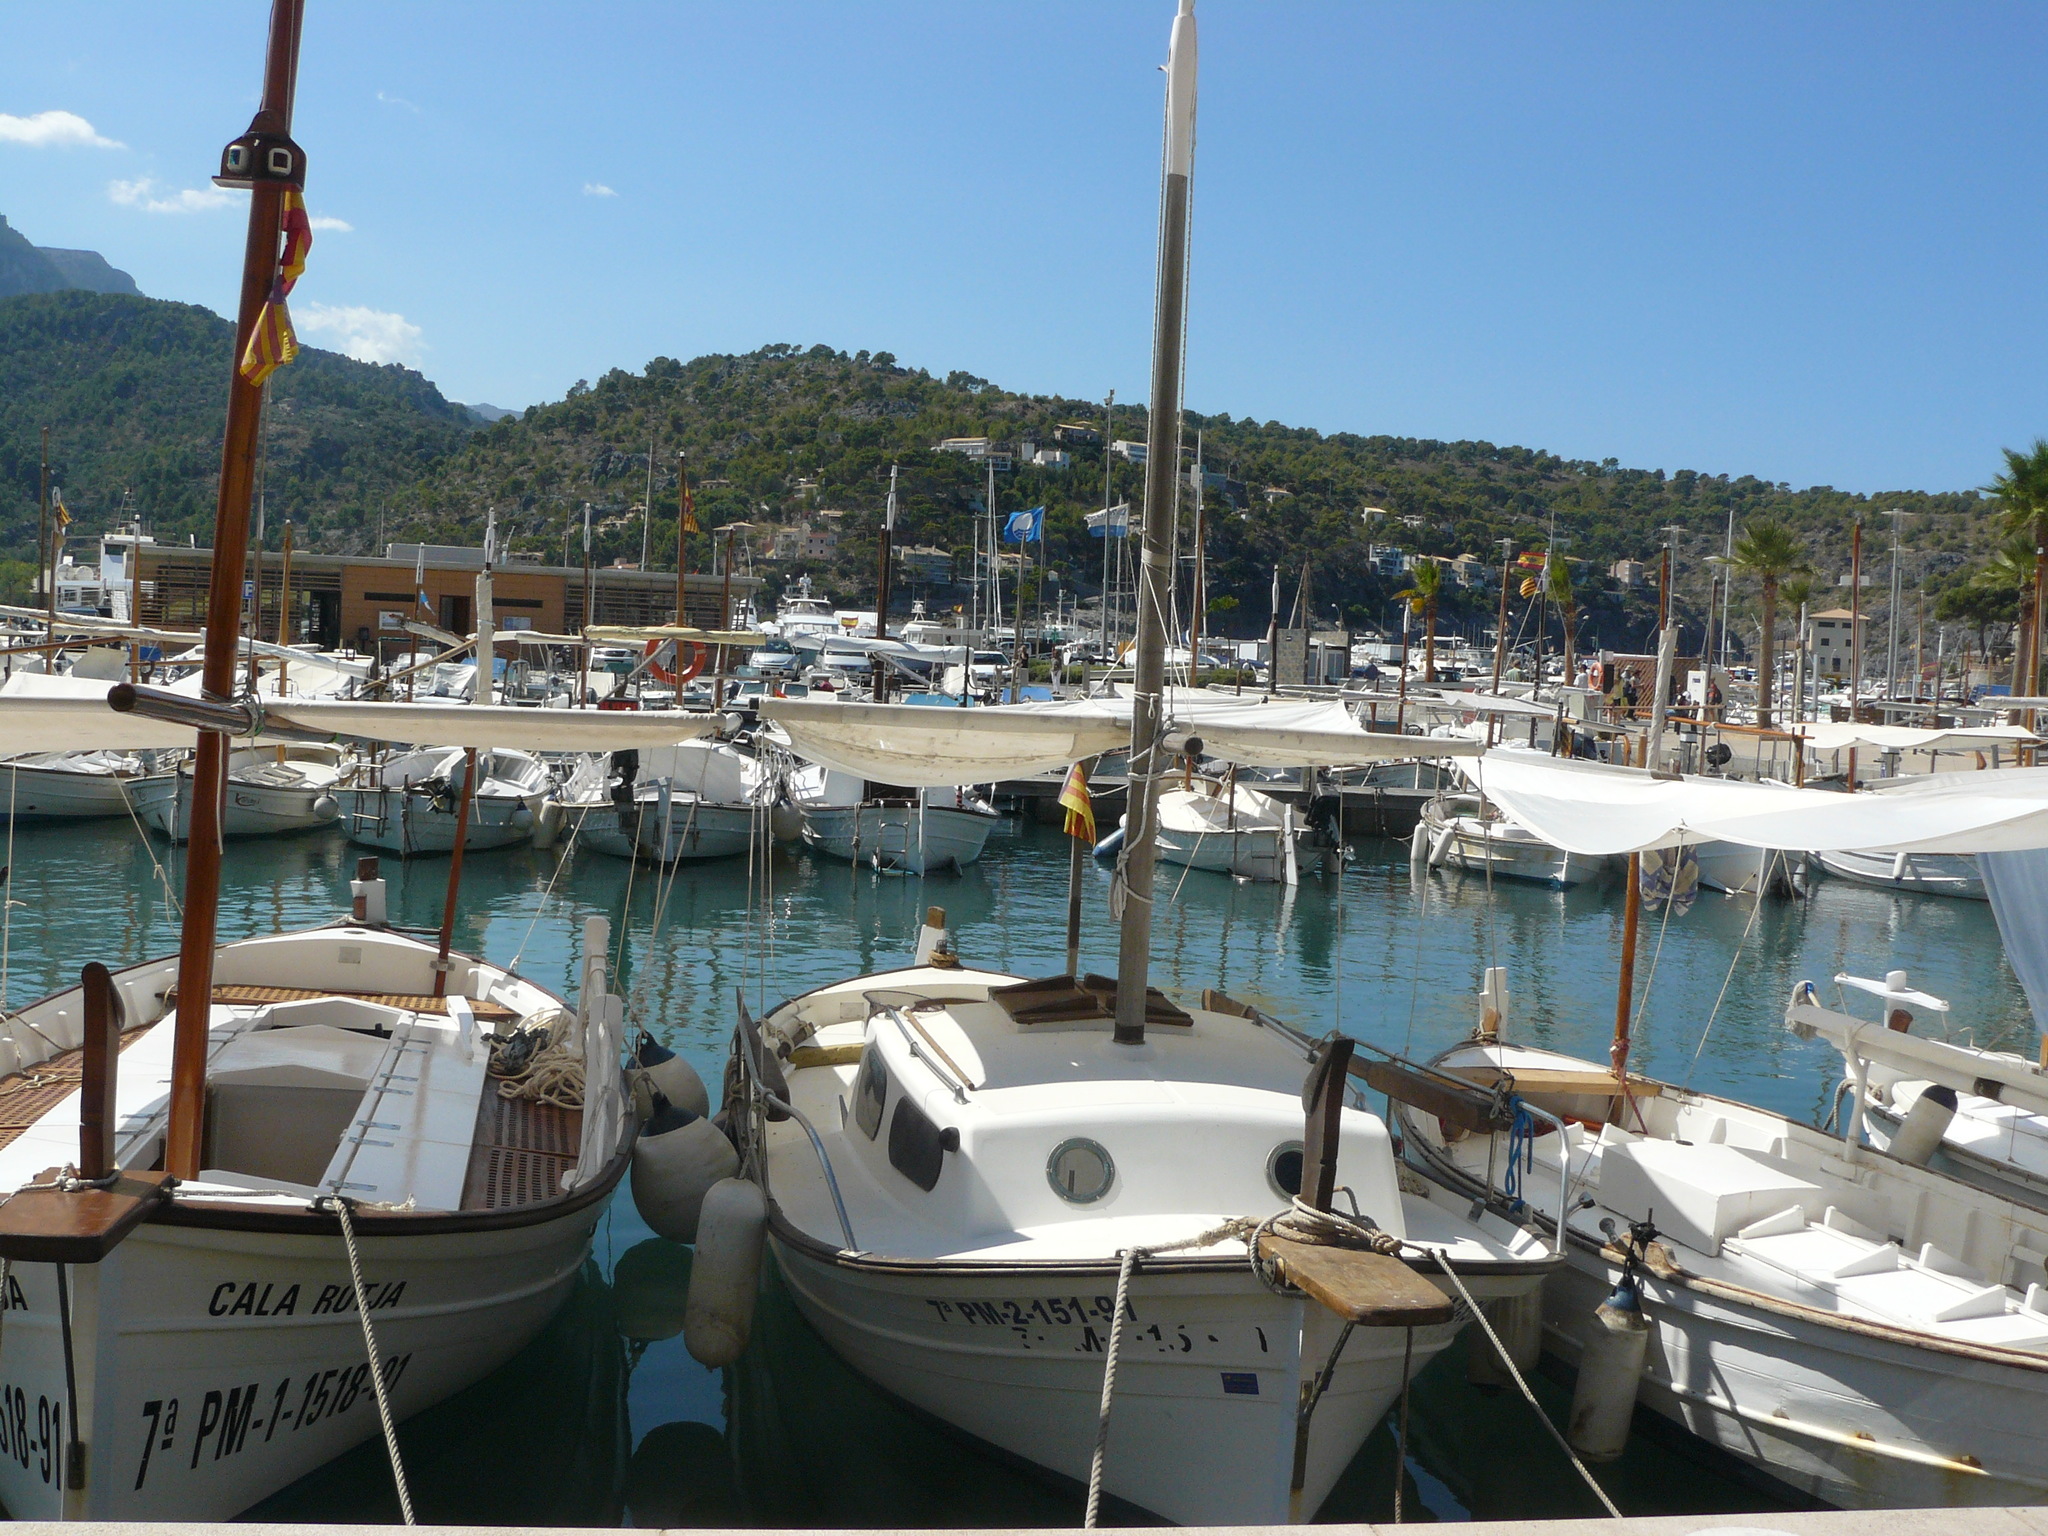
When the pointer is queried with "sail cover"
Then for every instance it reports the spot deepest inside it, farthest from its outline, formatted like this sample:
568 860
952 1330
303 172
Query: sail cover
1840 735
1594 809
47 724
935 744
919 744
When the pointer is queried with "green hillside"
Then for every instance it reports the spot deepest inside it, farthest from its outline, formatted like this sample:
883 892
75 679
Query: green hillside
134 388
134 392
782 431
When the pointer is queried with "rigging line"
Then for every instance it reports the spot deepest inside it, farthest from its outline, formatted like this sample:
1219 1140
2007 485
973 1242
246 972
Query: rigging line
547 891
1656 954
632 869
1733 961
1415 960
355 1273
163 877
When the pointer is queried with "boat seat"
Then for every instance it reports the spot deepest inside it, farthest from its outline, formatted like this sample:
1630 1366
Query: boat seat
1700 1195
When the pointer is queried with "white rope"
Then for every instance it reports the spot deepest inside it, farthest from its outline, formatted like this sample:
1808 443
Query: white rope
171 902
1130 1257
355 1274
554 1074
1733 960
1507 1360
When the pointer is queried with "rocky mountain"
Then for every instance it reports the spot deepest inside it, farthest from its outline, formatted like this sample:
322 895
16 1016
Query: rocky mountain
29 268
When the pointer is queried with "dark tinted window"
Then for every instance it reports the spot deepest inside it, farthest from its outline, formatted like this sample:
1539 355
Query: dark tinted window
870 1091
917 1147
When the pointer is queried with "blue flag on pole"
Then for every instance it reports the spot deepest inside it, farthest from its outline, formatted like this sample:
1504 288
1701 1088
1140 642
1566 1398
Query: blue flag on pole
1023 527
1114 523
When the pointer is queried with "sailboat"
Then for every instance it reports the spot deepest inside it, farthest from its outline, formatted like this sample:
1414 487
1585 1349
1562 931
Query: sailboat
693 800
270 790
1857 1324
1064 1215
264 1198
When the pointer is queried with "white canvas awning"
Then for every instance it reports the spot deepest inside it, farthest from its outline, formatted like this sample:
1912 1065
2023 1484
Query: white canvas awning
46 724
1840 736
1594 809
918 744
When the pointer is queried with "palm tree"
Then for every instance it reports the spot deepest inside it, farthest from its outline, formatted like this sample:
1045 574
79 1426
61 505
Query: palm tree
2022 496
1421 598
1557 586
1770 553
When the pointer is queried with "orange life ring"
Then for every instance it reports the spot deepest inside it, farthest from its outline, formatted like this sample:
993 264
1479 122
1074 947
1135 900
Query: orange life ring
662 674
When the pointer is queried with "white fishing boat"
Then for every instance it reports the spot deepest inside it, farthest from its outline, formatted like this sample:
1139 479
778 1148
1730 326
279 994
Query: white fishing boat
1867 1330
971 1157
270 790
1467 831
801 614
1736 870
910 829
79 786
180 1349
1229 827
1067 1216
411 802
694 800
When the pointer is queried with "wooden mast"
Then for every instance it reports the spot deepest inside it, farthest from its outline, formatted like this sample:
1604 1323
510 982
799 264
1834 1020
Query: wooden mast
682 534
880 686
279 168
1162 465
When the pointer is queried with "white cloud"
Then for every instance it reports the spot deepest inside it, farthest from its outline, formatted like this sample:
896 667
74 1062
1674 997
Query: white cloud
396 101
142 193
338 226
54 130
597 189
369 335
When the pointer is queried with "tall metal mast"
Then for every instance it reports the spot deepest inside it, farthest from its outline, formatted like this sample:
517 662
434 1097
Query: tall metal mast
1162 468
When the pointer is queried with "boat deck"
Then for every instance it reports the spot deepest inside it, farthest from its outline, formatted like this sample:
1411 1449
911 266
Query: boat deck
520 1151
26 1096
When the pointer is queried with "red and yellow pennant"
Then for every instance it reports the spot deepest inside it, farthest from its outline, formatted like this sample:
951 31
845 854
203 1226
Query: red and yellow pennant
273 343
1080 806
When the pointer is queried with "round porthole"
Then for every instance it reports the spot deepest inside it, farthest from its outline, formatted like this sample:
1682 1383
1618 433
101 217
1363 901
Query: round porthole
1283 1168
1080 1170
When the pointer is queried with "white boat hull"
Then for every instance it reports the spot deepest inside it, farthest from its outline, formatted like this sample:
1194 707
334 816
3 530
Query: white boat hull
215 1367
407 823
691 832
1254 853
1509 853
1739 871
1208 1380
1931 874
45 794
253 810
899 837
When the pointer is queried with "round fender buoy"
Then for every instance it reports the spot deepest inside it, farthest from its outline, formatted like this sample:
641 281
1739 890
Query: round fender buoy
673 1078
678 1157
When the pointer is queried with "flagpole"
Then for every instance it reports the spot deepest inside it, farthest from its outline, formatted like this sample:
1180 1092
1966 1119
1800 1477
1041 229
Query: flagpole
186 1123
589 618
683 521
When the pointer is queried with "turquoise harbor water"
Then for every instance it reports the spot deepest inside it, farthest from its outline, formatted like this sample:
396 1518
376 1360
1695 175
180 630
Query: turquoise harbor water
595 1424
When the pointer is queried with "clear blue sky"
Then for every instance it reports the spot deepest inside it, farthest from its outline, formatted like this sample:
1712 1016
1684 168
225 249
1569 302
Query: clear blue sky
1801 241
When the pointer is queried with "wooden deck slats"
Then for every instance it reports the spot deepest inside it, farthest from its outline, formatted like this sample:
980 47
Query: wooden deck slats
235 995
520 1151
26 1096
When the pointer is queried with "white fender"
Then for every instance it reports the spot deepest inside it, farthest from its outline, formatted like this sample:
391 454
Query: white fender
1925 1124
673 1078
674 1164
726 1273
1610 1366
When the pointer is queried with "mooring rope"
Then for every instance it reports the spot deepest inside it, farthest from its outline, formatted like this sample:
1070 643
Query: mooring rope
355 1274
1505 1359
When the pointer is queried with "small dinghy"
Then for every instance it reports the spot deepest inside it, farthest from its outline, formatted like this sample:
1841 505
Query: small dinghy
411 803
270 790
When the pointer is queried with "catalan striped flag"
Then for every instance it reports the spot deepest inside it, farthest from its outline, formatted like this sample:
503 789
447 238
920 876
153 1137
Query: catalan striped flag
1079 806
273 343
689 506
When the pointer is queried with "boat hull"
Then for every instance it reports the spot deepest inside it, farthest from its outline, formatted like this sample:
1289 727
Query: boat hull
46 794
1209 1373
1254 853
898 837
406 823
1930 874
691 832
252 810
1462 844
217 1365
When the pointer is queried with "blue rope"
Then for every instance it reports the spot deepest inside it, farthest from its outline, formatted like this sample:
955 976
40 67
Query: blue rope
1521 1154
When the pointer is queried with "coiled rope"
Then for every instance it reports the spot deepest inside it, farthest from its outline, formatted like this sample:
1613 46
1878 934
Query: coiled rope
550 1072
